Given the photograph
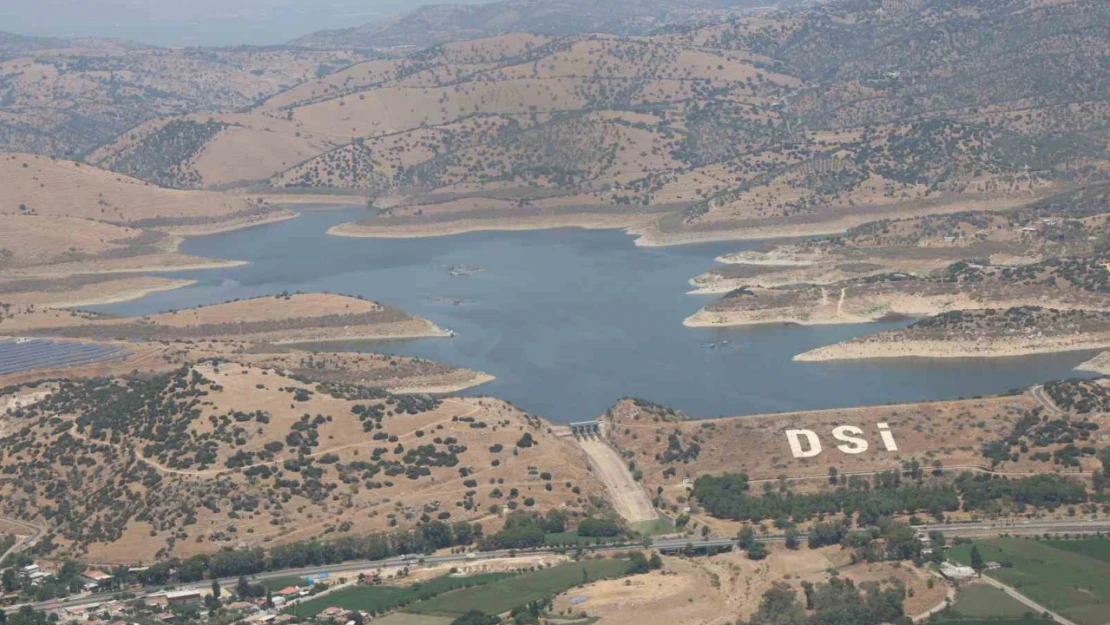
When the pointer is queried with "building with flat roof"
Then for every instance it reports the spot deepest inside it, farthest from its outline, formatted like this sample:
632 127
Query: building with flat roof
956 571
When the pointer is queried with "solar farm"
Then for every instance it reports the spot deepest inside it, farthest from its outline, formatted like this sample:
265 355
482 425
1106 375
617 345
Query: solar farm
18 355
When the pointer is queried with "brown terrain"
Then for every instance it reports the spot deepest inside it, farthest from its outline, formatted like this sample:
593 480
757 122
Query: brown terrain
1069 224
725 128
979 333
1070 283
256 332
1098 364
300 318
670 451
270 451
718 589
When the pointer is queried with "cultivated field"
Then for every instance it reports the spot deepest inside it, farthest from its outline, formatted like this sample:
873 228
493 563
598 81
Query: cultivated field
1074 584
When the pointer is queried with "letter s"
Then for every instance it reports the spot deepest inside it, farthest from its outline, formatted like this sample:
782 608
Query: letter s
854 445
814 444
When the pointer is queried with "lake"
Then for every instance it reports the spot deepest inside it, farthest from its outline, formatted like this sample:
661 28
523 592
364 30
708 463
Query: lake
569 320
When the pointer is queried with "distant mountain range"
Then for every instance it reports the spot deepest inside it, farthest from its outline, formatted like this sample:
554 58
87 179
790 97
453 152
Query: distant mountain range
436 24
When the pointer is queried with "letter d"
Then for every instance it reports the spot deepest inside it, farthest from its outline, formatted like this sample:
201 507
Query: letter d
795 438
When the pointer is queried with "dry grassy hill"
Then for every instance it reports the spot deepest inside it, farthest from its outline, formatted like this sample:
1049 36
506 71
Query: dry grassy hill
979 333
41 185
1069 283
236 455
670 450
66 98
802 122
1068 224
285 318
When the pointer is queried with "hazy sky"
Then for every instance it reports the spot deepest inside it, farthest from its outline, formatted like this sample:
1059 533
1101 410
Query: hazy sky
196 22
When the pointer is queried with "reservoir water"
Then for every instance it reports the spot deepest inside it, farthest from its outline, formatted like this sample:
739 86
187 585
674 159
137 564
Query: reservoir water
569 321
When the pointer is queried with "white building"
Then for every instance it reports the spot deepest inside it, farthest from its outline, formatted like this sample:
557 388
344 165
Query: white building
956 571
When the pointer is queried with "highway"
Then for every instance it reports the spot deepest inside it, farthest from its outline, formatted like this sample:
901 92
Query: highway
1074 526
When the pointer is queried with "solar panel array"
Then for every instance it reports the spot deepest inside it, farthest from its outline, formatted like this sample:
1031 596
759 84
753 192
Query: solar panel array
25 355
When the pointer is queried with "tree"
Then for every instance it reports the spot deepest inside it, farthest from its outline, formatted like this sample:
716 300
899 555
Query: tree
757 551
746 537
977 560
243 587
216 589
475 617
779 606
792 541
833 475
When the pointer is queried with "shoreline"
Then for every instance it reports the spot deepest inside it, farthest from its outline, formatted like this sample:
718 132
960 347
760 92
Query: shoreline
477 379
122 296
284 214
1098 364
216 264
434 332
453 228
940 349
697 320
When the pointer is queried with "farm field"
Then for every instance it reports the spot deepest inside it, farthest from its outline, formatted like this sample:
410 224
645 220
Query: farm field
507 594
1097 548
994 621
375 599
1074 585
982 601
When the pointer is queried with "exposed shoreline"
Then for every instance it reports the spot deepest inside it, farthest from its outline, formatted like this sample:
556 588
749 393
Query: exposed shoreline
988 348
477 379
122 296
284 214
1098 364
451 228
432 332
732 319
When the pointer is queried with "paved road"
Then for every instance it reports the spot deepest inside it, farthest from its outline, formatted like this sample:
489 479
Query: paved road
1046 401
1036 607
36 531
952 529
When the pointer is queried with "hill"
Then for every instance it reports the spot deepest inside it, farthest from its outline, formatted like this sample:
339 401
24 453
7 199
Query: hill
979 333
688 122
69 97
1069 283
43 186
285 318
1073 223
235 456
434 24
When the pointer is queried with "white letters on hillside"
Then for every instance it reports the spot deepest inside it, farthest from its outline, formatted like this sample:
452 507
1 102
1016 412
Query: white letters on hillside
853 444
888 438
812 442
807 444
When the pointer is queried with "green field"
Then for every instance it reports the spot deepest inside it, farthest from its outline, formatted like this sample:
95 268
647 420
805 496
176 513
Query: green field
1097 548
1015 621
278 583
982 601
1076 586
404 618
507 594
376 599
662 525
